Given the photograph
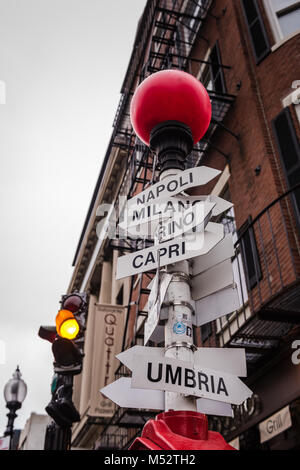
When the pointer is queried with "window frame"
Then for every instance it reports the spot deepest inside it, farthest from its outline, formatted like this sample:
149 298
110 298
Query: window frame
259 18
273 15
296 167
257 276
208 69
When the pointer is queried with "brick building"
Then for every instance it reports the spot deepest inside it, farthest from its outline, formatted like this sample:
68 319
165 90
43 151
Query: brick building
246 53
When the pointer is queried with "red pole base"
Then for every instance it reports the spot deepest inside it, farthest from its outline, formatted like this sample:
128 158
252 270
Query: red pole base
179 430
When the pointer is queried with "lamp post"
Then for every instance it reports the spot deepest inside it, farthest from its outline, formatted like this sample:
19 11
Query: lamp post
170 112
15 392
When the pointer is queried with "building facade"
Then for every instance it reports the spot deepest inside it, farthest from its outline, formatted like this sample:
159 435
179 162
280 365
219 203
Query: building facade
246 53
32 437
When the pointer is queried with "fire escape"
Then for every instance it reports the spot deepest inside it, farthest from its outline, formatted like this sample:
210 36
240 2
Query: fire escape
168 32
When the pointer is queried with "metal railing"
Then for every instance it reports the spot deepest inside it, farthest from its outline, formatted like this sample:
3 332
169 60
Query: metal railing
267 256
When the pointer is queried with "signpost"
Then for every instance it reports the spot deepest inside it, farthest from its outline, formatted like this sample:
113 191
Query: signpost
125 396
179 376
216 305
170 252
151 370
167 207
230 360
172 185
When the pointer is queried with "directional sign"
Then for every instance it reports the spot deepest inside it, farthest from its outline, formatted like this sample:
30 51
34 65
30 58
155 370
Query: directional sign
222 251
216 305
173 185
165 208
170 252
213 407
229 360
178 376
214 279
221 205
232 362
121 393
197 215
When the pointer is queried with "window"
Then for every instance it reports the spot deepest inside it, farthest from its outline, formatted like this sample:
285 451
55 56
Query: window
206 331
284 17
257 32
212 75
120 296
250 254
289 150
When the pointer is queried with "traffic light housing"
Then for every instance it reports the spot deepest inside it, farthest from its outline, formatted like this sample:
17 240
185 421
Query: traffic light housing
70 326
67 337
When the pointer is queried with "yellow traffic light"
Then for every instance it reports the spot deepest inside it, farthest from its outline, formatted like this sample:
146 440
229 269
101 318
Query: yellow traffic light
66 324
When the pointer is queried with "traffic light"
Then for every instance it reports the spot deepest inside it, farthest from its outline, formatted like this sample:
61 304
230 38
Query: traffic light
67 336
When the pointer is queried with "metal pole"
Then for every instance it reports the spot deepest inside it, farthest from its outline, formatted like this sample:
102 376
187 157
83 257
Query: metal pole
57 437
13 407
179 343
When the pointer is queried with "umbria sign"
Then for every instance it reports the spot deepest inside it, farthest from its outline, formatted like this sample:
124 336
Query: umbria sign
217 385
178 376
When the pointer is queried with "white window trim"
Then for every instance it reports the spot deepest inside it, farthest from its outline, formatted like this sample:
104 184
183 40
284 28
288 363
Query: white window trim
283 41
203 66
280 39
293 99
273 21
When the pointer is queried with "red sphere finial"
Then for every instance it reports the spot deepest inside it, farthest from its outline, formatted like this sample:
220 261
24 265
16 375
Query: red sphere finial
170 95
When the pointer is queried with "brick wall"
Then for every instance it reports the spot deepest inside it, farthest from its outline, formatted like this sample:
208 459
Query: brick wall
258 91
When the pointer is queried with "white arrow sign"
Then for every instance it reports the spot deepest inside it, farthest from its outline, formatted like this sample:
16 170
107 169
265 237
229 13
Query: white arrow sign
213 407
170 252
173 185
121 393
229 360
178 376
182 222
141 216
221 252
216 305
214 279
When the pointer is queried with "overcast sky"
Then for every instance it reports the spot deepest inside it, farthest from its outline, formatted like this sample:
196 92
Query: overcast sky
63 64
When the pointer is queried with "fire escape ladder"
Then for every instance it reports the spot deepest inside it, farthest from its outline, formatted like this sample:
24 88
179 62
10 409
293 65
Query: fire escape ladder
271 311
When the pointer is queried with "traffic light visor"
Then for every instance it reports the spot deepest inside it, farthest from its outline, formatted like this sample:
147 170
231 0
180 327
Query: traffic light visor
66 324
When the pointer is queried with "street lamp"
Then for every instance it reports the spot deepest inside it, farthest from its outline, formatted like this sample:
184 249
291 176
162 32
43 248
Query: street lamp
170 112
14 393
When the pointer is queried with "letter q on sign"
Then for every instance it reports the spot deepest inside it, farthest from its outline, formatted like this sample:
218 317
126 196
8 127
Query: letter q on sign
110 319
